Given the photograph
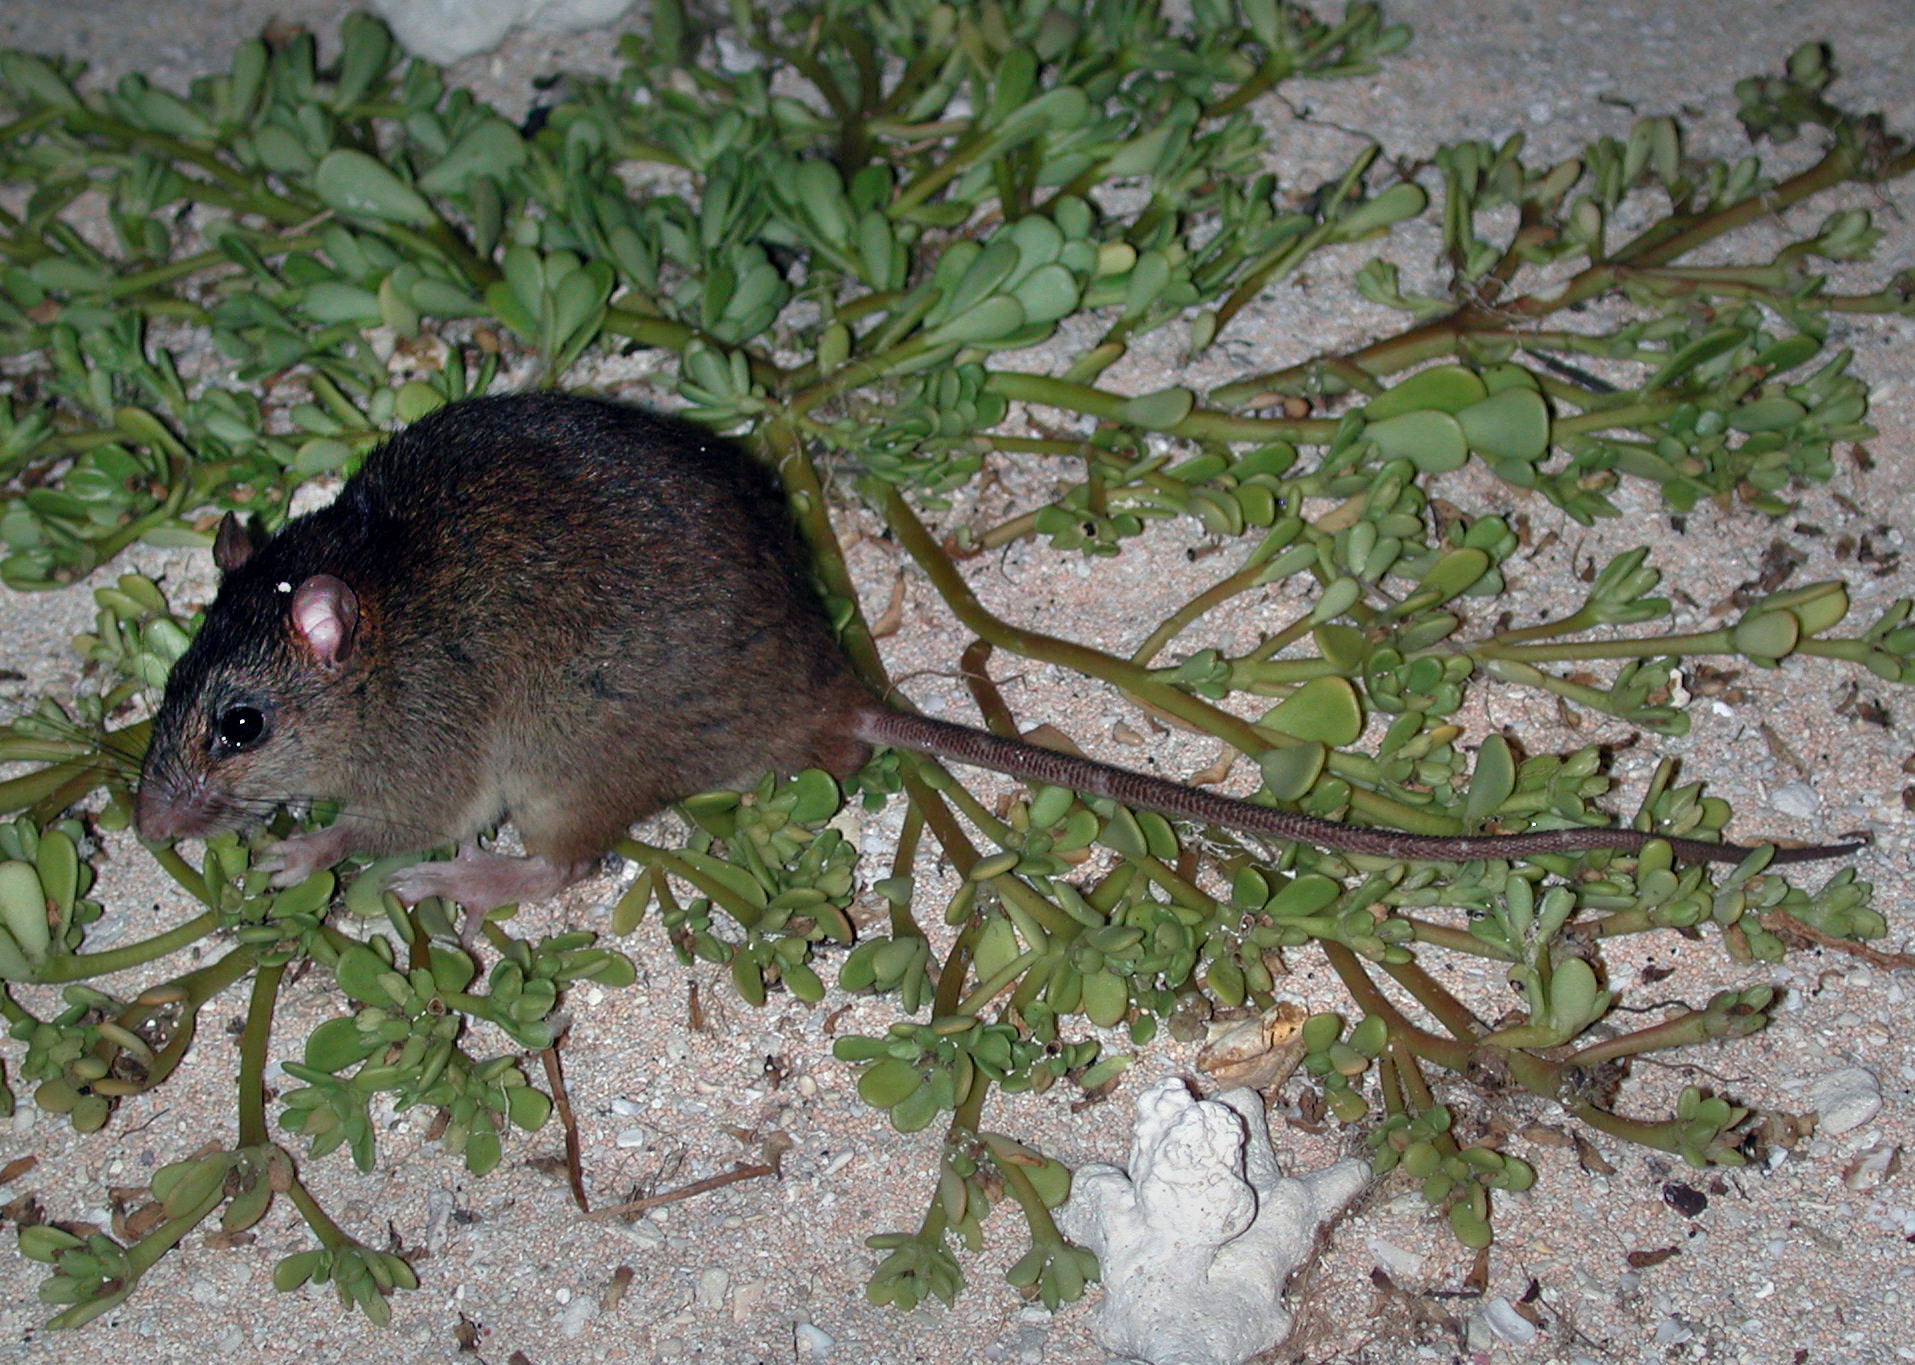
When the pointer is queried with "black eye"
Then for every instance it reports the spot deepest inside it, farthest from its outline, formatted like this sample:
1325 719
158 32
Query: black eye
239 727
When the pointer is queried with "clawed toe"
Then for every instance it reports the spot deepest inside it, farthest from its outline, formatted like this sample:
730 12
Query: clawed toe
482 881
420 881
293 859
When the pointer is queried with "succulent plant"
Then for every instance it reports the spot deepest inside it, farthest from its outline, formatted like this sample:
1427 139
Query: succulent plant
867 284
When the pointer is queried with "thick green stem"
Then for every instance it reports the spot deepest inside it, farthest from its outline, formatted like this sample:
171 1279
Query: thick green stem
1199 424
84 966
1528 1070
957 594
328 1232
1655 247
1008 1159
1431 994
742 911
253 1042
1565 651
1244 579
1685 1029
1662 1136
1452 1054
1449 937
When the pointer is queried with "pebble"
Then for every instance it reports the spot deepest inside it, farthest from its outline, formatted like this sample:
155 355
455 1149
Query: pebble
441 1205
581 1310
837 1163
446 30
747 1301
1023 1346
1673 1331
1478 1338
1507 1323
814 1342
643 1233
1400 1263
1872 1168
1845 1099
1797 799
712 1284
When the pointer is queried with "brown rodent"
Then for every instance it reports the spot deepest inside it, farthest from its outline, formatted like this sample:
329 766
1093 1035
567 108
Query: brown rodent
566 612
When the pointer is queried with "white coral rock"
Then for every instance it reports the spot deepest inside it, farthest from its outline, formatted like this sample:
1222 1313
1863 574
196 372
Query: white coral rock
1197 1240
446 30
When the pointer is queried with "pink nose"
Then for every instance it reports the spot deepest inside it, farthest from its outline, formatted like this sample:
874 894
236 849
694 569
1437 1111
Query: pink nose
163 812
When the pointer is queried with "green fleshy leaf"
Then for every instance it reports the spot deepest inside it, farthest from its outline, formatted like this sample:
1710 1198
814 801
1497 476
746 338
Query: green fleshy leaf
1509 425
1440 388
1491 782
492 148
1158 411
1290 772
356 184
1432 441
1327 710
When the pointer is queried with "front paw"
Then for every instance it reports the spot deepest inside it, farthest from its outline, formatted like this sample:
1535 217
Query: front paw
296 857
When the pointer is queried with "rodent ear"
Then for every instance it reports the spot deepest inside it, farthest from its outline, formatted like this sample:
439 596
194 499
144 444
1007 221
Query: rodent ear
232 544
325 618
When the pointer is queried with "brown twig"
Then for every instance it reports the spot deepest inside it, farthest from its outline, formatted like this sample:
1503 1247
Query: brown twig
737 1173
562 1104
1781 922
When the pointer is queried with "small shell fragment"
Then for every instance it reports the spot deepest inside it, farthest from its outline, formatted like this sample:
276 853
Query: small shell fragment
1259 1053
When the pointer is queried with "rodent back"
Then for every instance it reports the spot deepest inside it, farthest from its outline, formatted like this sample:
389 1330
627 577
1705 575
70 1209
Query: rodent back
554 528
636 585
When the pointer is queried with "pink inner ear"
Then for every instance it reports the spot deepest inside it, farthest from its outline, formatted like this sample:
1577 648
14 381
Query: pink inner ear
325 616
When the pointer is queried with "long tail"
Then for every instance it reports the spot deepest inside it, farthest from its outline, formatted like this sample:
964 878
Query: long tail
981 749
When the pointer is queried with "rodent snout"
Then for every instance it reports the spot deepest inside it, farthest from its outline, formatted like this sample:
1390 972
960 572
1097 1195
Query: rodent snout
171 810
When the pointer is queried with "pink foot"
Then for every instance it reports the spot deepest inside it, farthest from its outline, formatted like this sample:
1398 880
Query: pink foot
482 881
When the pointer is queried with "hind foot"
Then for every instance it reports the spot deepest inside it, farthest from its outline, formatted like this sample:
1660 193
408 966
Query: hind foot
481 880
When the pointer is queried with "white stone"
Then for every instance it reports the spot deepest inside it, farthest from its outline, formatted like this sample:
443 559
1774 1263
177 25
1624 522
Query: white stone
814 1342
446 30
747 1301
1198 1239
1673 1331
713 1283
576 1314
1796 799
1509 1325
1844 1099
1399 1262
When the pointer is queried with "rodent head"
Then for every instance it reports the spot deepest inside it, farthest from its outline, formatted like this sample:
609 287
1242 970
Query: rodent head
239 729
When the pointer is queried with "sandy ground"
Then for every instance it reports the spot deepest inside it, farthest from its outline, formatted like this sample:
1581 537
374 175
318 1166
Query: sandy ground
1805 1259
